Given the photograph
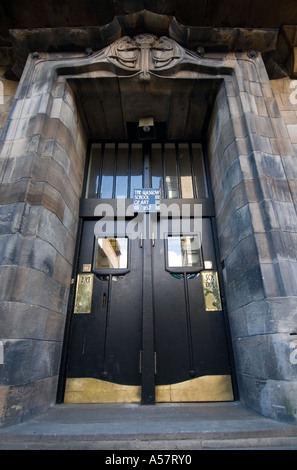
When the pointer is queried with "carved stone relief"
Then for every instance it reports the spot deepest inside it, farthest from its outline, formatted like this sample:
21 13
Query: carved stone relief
145 54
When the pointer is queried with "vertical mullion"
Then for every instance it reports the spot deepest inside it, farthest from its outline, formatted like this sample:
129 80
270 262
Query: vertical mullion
129 170
163 172
146 165
115 170
178 171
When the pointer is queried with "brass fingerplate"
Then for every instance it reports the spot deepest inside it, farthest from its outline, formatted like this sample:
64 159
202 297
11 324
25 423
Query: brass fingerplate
84 292
211 291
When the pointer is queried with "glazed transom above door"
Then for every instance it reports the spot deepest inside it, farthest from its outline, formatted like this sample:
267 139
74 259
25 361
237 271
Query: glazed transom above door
177 169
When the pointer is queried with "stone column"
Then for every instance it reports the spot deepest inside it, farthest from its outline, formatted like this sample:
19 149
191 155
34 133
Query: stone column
251 164
43 149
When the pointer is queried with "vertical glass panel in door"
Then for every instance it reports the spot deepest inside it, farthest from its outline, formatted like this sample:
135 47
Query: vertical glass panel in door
199 175
157 167
122 171
136 180
185 171
93 182
107 181
171 176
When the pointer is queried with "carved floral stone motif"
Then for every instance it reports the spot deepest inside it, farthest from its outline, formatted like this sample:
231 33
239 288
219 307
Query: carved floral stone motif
145 53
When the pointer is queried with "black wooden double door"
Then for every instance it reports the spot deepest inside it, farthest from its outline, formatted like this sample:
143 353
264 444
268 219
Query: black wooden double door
142 329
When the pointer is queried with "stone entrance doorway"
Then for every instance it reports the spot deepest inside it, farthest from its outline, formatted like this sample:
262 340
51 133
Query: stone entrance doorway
44 145
148 322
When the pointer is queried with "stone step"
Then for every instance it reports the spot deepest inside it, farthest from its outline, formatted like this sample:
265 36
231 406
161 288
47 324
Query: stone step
168 427
43 442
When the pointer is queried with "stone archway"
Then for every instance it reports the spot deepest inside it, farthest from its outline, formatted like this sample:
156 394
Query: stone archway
43 149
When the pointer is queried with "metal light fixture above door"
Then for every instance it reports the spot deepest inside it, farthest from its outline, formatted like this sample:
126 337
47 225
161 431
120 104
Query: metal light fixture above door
146 129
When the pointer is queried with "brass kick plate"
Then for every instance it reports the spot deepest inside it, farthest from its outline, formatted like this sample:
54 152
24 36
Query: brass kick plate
84 292
211 291
201 389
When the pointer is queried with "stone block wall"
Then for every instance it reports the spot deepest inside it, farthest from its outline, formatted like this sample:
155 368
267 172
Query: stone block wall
253 168
43 150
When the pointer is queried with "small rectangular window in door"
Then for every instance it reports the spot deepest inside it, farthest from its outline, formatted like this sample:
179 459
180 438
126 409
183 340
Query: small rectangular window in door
110 255
184 253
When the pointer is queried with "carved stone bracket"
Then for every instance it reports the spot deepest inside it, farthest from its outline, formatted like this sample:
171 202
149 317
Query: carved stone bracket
145 54
286 54
128 53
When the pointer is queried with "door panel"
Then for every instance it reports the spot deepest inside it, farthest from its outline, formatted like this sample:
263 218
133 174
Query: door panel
190 342
106 342
191 352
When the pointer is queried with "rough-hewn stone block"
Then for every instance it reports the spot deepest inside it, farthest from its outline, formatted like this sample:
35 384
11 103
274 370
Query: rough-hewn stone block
24 320
28 361
32 398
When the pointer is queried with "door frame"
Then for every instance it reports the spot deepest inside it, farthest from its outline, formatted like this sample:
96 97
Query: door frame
86 212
